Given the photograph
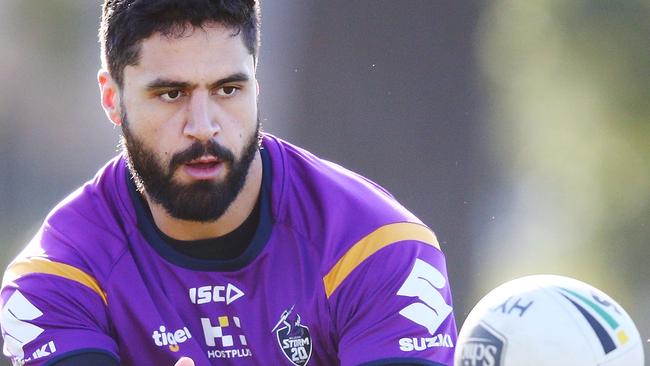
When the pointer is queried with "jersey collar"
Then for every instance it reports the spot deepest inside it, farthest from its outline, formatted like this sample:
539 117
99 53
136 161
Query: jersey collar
150 233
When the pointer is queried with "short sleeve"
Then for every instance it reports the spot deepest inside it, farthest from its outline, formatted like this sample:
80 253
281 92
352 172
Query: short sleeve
52 310
394 305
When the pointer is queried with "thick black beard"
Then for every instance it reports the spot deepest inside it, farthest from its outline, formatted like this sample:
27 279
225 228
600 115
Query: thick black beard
200 201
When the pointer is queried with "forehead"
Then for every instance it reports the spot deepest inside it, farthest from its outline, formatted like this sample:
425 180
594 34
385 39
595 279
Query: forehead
199 55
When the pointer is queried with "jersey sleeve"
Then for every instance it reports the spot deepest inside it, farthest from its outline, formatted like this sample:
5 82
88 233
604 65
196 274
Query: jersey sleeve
50 311
391 301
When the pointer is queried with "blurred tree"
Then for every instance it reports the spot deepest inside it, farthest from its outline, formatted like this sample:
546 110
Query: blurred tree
52 130
569 88
389 90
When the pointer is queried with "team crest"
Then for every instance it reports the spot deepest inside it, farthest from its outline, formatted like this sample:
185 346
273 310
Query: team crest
294 338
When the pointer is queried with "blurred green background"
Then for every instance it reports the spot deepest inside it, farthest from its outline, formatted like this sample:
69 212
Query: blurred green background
568 103
518 130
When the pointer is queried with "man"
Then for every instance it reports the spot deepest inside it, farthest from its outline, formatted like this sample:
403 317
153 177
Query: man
208 242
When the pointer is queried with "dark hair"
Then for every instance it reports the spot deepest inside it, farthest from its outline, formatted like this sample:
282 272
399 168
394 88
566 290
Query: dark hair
127 22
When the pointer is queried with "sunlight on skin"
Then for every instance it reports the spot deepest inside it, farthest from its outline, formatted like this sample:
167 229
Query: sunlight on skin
184 361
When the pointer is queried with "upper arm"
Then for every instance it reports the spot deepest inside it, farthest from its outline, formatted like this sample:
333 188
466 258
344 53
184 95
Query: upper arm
395 307
49 310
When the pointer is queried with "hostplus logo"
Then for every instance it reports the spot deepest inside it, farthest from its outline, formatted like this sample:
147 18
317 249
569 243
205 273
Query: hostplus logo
226 336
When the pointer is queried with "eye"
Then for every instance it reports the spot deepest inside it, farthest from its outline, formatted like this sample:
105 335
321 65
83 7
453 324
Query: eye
171 96
227 91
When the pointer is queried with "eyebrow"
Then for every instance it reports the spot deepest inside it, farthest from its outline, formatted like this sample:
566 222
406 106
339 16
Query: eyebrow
162 83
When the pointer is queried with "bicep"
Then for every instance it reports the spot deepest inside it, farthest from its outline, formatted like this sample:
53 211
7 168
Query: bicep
47 317
397 305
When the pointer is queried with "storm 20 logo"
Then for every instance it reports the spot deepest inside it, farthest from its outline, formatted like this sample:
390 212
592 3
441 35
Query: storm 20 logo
294 338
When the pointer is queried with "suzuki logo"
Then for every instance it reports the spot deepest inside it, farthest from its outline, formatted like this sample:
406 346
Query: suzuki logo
423 282
16 331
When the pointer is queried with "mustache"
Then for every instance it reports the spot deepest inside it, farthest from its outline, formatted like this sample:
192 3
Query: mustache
197 150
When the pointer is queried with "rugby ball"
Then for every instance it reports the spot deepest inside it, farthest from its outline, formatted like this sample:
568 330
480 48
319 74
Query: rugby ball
547 320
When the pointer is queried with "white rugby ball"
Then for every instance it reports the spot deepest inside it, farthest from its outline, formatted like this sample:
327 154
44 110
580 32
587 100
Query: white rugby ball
547 320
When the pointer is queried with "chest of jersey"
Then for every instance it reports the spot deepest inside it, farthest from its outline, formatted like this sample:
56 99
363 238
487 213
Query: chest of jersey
270 311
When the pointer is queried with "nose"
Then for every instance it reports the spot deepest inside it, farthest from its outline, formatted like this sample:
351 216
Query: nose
202 118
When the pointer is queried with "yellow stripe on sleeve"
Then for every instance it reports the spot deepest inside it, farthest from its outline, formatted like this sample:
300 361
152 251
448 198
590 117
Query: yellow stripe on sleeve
371 243
39 265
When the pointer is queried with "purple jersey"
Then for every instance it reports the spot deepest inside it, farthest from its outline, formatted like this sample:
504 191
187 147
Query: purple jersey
337 273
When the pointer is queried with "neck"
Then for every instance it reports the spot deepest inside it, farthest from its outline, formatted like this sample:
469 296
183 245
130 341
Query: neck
234 216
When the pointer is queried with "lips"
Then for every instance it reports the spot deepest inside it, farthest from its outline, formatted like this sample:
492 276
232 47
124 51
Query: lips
204 159
204 162
205 167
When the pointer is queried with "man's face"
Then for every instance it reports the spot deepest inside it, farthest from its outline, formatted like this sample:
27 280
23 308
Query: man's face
189 113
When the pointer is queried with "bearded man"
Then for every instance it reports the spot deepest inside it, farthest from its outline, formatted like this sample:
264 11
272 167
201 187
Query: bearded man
209 242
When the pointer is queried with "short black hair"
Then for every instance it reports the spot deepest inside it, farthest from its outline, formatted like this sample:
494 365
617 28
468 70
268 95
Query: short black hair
127 22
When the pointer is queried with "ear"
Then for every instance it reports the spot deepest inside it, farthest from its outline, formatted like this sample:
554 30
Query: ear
110 96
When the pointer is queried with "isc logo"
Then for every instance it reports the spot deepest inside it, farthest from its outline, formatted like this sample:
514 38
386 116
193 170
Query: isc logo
206 294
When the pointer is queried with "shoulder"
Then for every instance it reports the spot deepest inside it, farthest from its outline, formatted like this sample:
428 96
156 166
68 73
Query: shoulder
370 250
84 234
59 280
347 215
327 192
